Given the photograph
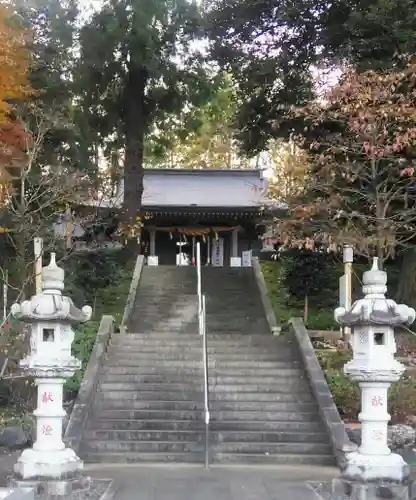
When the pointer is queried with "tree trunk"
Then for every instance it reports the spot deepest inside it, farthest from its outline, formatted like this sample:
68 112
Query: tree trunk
135 127
406 290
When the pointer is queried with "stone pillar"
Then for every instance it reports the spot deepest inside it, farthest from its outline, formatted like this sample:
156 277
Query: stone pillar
235 260
373 471
50 466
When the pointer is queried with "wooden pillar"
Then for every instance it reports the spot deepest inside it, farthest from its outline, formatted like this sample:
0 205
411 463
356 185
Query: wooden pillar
152 245
208 249
234 243
68 227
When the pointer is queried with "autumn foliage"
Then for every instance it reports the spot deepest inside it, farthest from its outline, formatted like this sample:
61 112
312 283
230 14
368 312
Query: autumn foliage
362 143
14 89
14 60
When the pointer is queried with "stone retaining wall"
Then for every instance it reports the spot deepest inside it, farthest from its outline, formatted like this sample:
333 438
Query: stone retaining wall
340 441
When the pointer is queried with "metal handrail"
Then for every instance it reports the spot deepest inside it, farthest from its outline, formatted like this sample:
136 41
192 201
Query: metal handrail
202 332
206 381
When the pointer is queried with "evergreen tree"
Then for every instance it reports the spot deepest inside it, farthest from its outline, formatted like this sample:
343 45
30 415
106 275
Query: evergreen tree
139 66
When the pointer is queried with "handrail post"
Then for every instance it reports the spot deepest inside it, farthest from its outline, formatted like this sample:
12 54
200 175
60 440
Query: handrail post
206 383
203 333
199 286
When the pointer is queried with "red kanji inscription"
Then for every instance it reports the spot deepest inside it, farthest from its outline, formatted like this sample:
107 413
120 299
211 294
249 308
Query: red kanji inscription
377 401
46 397
46 429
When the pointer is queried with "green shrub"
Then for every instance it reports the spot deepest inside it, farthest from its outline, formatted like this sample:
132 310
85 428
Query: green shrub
88 273
334 360
285 307
311 274
346 394
402 399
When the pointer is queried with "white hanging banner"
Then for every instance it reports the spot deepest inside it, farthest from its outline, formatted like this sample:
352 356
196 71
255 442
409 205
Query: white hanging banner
218 252
247 255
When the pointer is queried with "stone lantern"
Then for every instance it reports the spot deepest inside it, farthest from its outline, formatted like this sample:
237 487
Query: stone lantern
50 316
372 320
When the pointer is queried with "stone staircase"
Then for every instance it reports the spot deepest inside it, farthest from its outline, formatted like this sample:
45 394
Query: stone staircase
149 402
261 404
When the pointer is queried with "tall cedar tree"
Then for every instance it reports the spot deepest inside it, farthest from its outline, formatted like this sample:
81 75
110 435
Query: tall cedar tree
52 24
137 67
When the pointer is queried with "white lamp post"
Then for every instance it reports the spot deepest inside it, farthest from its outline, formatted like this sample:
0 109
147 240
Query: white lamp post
51 315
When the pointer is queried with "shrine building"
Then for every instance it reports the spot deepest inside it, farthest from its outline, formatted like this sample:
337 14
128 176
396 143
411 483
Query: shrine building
225 210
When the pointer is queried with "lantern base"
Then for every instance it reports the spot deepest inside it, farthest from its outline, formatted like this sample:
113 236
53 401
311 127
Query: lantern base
55 465
53 487
366 490
360 467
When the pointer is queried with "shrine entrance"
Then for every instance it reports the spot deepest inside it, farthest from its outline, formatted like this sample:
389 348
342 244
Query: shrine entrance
213 248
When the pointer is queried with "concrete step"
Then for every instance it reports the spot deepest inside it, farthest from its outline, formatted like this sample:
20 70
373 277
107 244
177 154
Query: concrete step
283 388
265 380
144 435
146 415
121 375
258 404
175 389
157 356
146 425
168 300
144 392
280 387
266 426
275 396
147 364
194 347
155 457
267 437
195 356
117 404
212 337
116 374
176 344
261 416
265 448
138 380
141 446
147 394
162 364
272 459
171 328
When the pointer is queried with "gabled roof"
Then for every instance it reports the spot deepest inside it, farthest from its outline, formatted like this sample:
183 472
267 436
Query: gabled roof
198 188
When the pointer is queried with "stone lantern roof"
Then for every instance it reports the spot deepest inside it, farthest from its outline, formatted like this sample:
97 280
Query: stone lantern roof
51 305
374 308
